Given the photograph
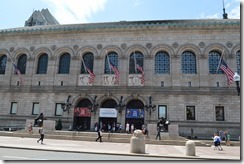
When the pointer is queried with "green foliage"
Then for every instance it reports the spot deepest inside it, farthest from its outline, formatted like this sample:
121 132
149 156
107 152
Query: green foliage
59 125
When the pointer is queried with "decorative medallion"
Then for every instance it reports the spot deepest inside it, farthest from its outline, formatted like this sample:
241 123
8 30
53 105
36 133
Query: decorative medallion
53 47
175 44
99 46
123 46
11 49
32 48
201 44
229 44
149 45
75 47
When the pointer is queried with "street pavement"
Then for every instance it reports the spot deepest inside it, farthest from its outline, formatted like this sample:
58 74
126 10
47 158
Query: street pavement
151 150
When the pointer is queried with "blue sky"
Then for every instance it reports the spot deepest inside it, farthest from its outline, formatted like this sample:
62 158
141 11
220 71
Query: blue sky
14 13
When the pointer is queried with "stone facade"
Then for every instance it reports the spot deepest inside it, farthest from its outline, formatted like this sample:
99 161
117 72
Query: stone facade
124 38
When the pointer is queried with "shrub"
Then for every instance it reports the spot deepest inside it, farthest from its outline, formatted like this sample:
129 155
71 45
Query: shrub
59 125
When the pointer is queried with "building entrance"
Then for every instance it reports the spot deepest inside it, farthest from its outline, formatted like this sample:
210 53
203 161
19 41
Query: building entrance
82 119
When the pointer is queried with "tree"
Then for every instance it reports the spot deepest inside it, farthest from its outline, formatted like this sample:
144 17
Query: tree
59 125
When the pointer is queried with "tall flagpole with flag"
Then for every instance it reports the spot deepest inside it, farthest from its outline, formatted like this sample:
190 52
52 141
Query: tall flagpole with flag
115 70
17 71
92 75
228 72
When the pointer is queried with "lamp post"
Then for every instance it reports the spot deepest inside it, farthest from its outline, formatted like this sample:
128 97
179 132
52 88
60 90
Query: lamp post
121 106
150 107
94 105
66 106
237 80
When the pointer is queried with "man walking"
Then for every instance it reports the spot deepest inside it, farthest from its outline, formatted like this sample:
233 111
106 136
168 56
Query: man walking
158 133
41 132
99 133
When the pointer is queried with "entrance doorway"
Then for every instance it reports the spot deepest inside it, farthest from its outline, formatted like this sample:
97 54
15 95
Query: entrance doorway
135 114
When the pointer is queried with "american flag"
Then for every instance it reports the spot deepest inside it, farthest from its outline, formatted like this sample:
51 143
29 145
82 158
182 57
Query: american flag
18 73
229 73
116 73
92 75
142 73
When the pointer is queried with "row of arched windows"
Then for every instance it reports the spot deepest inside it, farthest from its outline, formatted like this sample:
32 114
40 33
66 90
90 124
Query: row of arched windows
161 66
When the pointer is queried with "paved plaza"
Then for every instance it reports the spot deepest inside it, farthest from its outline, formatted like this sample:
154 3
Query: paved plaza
229 152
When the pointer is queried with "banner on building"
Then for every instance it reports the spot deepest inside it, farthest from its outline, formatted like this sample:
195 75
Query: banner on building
134 113
82 112
108 112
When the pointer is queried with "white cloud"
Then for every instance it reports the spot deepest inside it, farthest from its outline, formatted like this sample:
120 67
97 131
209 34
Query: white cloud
74 11
213 16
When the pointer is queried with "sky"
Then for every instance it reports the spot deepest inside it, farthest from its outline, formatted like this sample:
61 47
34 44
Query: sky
14 13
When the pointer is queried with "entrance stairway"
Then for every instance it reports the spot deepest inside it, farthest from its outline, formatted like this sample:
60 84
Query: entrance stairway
112 137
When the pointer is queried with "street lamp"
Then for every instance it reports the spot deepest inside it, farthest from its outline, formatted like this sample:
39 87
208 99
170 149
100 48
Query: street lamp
121 106
66 106
94 105
150 107
237 80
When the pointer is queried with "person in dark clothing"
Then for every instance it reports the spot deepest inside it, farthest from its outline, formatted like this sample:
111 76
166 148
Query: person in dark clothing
39 120
41 132
99 133
158 133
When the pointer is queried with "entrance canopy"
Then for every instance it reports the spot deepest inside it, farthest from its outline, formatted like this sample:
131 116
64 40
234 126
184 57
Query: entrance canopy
108 112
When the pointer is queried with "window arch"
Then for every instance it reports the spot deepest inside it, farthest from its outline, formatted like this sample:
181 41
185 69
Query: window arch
188 63
162 63
3 62
135 58
111 57
87 60
21 65
238 62
64 64
213 60
42 64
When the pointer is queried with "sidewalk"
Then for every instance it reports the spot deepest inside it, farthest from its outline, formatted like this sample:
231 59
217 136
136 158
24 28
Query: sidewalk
229 152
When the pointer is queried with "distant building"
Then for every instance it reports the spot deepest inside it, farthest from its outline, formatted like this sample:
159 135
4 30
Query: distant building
43 17
119 72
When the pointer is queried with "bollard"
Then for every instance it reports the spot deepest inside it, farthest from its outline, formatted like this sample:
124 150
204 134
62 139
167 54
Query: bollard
190 148
137 142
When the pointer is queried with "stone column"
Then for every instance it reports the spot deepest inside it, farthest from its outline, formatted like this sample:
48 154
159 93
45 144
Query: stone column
137 142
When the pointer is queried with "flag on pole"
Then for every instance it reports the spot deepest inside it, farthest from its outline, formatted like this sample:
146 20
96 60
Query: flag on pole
229 73
142 73
17 71
92 75
116 72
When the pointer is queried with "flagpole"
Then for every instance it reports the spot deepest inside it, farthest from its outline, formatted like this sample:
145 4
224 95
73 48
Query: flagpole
84 65
220 61
109 63
135 62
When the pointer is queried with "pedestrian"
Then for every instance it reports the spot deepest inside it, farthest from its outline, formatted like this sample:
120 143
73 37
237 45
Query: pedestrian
41 132
132 128
217 142
228 139
120 128
99 133
127 127
30 128
158 133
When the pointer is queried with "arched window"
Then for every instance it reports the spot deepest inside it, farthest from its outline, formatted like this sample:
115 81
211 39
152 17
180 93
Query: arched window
135 58
111 58
213 60
42 64
162 64
3 61
238 62
64 64
87 61
22 63
188 63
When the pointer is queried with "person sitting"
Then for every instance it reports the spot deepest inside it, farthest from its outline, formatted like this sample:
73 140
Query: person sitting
39 120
